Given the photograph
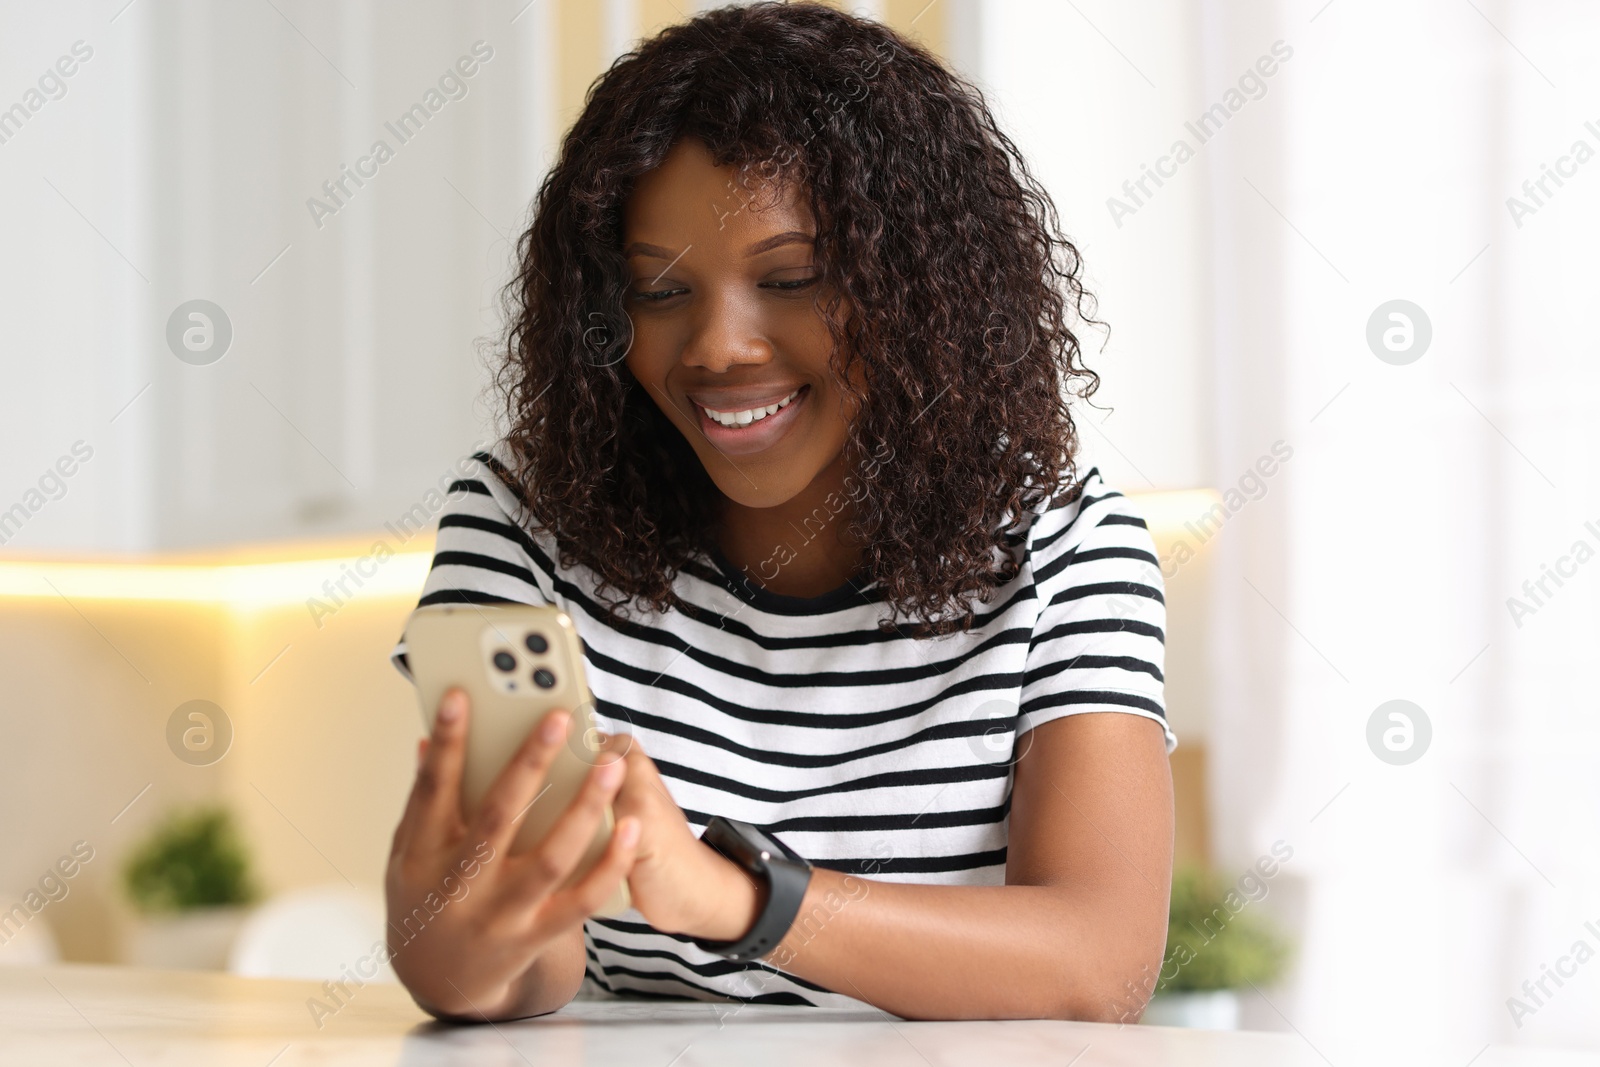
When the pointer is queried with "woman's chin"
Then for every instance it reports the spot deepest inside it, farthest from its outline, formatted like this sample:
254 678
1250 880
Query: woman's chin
750 488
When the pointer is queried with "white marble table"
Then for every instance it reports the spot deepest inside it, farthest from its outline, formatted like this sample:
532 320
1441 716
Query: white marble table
83 1014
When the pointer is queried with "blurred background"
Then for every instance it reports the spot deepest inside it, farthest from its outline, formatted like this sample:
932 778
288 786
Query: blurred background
1347 252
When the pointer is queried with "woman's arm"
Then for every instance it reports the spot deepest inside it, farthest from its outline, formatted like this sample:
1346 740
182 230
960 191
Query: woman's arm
1082 915
1077 931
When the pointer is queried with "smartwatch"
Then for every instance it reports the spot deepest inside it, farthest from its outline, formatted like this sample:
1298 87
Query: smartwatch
769 861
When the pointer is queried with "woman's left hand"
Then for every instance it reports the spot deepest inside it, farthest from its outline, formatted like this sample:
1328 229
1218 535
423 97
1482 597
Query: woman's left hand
679 885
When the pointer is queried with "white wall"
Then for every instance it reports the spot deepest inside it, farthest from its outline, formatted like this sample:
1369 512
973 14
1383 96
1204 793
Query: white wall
1379 562
73 186
1419 497
1091 92
178 165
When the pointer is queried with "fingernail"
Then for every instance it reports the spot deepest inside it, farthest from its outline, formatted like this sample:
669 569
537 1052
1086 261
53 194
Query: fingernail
610 772
451 709
554 727
628 832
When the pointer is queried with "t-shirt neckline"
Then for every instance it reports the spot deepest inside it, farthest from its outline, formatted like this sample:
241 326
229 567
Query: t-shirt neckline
746 588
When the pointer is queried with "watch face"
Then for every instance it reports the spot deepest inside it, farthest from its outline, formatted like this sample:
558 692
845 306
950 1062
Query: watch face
769 845
763 843
751 843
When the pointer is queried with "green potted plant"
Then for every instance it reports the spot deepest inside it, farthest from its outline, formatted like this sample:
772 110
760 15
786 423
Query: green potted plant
1217 944
190 882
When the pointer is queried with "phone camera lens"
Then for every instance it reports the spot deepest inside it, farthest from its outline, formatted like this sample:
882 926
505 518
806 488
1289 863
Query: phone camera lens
537 644
544 679
505 661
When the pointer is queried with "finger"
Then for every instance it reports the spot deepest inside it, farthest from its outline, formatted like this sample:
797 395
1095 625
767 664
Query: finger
643 773
552 862
636 789
640 763
520 784
402 828
433 811
620 743
589 893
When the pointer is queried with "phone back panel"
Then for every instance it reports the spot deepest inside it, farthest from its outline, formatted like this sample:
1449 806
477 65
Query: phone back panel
486 650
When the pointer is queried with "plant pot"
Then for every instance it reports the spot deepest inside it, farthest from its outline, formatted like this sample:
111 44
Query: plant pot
1211 1009
193 940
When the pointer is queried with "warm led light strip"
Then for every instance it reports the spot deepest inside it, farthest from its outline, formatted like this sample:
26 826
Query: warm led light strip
240 585
264 584
1167 512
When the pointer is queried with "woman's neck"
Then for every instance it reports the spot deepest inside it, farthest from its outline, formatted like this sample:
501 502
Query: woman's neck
796 548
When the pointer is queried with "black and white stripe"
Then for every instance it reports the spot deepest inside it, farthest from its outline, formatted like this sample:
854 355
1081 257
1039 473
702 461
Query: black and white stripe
868 752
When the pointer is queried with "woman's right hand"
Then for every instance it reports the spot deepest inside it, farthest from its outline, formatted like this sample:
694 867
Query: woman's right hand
477 933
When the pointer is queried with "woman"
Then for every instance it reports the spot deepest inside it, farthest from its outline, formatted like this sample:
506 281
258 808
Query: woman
786 378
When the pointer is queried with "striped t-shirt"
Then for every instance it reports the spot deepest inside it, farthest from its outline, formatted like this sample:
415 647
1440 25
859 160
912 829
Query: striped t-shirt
873 753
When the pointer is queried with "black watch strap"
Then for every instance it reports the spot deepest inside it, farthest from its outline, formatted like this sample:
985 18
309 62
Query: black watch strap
766 859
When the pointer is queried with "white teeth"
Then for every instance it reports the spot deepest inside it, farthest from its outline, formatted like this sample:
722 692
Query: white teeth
745 418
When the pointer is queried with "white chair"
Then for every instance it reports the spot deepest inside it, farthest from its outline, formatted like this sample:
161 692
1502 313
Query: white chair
325 932
32 944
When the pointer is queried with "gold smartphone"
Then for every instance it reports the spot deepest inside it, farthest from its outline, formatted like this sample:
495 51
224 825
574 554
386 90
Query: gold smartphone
517 662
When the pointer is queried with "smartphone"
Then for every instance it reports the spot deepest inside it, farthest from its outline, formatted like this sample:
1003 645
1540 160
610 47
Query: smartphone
517 663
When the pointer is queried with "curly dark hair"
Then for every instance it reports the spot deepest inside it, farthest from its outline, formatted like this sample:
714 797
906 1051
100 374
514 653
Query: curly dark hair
948 281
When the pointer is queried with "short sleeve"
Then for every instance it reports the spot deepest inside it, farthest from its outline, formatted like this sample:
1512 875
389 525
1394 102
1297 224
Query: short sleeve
1099 642
481 556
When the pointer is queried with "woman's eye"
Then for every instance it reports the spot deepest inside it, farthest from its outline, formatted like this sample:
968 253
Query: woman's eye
655 296
791 286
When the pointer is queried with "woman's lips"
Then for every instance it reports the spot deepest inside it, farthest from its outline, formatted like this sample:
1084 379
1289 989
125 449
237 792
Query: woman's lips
758 436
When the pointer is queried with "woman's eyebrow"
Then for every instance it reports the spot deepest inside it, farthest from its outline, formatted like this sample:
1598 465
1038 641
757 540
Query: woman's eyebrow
777 241
641 248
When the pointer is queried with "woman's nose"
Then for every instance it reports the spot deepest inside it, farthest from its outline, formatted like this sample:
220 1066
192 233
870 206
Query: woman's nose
724 334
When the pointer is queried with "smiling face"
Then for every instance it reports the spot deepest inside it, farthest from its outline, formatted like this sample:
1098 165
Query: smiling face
727 336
